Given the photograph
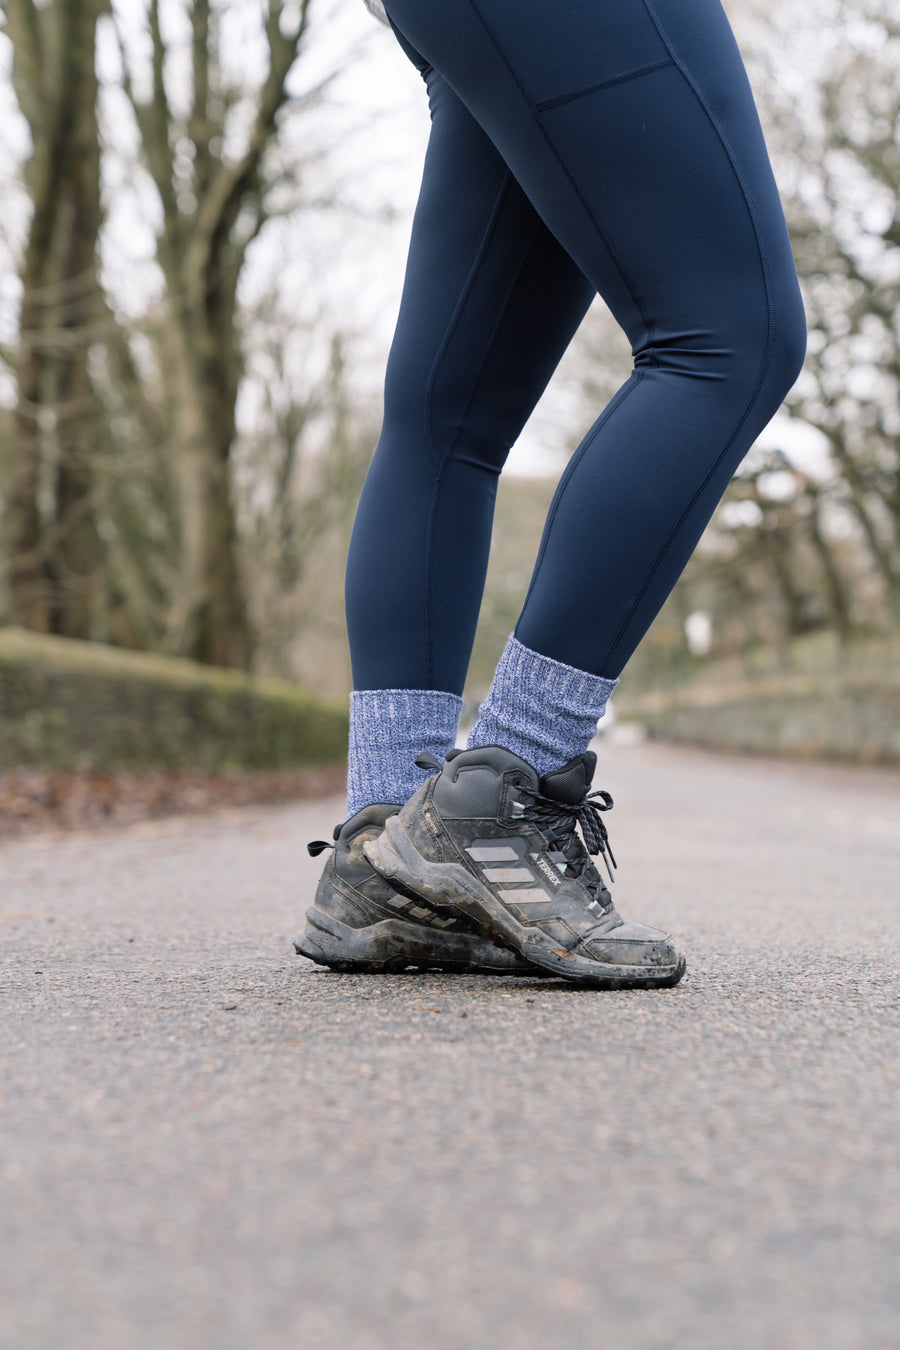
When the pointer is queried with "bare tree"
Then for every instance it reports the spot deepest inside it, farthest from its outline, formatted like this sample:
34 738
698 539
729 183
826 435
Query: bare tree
215 201
301 471
843 166
52 539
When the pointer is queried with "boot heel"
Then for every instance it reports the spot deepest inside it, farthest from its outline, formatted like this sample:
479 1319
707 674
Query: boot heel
396 857
444 887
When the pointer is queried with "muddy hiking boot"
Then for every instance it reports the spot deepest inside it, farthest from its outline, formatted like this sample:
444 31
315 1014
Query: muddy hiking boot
486 837
360 922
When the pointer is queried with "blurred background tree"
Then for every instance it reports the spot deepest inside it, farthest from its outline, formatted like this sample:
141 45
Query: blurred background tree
121 521
215 190
50 519
845 216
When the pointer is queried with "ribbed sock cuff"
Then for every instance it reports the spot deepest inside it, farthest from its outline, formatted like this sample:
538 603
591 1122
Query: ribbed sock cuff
542 710
389 729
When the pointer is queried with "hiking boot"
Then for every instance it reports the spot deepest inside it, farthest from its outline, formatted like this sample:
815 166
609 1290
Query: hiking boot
487 838
360 922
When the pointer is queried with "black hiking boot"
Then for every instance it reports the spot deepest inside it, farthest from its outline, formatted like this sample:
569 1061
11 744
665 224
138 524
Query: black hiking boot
360 922
489 839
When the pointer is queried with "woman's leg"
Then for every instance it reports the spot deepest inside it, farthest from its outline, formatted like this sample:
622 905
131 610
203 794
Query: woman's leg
490 302
630 126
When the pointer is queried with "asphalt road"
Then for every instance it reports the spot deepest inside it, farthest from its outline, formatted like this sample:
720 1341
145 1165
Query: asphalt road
206 1141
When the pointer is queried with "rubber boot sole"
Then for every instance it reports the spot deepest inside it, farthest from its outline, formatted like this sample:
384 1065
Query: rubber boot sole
393 946
450 887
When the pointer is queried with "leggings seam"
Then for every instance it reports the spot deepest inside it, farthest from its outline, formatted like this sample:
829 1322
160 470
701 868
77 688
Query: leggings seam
441 464
563 99
770 342
438 459
561 160
489 347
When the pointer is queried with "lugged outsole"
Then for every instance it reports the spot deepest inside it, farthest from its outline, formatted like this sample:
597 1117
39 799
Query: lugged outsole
393 946
449 886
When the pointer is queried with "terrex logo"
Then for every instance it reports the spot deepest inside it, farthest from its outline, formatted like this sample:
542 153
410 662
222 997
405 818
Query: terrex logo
549 872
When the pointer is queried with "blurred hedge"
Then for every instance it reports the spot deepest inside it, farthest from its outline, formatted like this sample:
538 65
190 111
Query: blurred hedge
854 718
66 704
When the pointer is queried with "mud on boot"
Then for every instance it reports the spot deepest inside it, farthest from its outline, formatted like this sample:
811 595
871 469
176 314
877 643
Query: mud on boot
488 839
360 922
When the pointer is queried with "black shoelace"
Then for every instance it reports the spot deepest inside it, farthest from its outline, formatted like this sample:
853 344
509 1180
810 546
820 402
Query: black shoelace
560 820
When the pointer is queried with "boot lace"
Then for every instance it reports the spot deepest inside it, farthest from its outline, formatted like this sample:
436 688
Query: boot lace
559 822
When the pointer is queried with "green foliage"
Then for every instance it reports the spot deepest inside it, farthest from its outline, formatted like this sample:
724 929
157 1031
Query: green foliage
67 704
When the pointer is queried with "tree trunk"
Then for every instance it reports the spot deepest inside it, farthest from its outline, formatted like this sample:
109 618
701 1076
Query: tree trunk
54 552
75 562
838 597
203 241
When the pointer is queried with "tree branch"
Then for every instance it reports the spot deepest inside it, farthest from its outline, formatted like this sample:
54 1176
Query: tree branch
23 23
222 202
198 122
153 119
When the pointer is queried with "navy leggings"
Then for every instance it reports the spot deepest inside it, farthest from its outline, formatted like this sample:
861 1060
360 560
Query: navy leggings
591 145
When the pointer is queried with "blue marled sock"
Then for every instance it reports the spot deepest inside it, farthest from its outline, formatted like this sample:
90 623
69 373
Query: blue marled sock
540 709
389 729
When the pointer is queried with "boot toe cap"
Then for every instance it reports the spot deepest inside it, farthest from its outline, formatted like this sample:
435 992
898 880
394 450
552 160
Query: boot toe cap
633 944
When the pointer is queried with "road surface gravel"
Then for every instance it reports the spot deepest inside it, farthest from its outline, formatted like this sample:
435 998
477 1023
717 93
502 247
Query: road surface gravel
207 1141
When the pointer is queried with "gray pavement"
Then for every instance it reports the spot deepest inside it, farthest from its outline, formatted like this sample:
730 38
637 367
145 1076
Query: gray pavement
206 1141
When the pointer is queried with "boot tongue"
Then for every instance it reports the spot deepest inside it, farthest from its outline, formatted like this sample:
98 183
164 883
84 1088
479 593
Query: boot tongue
569 784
